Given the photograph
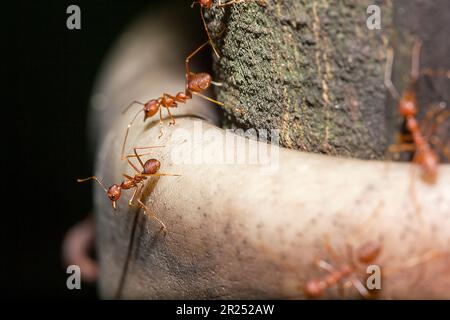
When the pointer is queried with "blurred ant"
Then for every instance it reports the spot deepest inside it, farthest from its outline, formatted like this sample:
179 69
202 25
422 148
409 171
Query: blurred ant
208 4
365 254
424 155
149 168
195 84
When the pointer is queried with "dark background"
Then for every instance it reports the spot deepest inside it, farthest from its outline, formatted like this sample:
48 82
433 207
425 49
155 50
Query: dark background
53 71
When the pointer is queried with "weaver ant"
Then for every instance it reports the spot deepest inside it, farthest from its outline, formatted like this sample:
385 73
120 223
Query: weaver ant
365 254
424 155
208 4
195 84
136 182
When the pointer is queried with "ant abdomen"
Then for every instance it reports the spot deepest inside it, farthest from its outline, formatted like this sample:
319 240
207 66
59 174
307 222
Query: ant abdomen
199 82
151 166
206 3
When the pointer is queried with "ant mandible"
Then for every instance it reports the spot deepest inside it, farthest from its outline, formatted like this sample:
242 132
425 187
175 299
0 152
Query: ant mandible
208 4
365 254
424 155
195 84
149 168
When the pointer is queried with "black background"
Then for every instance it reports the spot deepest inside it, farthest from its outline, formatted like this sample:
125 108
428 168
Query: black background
53 70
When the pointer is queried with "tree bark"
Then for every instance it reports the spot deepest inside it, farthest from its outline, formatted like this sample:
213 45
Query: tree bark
313 70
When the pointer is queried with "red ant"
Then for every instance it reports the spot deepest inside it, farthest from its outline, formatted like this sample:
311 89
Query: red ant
195 84
424 155
365 254
208 4
149 168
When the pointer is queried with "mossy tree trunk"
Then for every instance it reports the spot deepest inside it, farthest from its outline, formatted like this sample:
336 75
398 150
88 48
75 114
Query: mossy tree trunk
313 70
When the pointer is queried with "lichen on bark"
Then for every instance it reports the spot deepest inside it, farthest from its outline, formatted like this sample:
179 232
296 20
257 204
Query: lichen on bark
311 69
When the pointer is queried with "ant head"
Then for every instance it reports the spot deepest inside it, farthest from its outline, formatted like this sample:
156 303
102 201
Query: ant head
368 252
407 105
151 108
114 193
151 166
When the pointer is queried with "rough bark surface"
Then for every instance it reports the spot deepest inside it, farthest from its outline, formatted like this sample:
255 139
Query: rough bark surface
313 70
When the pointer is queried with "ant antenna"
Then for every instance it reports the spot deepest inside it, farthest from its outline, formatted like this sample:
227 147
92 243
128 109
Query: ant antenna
132 103
93 178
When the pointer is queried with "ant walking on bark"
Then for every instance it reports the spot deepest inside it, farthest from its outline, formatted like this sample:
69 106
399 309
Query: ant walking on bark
149 168
195 84
424 155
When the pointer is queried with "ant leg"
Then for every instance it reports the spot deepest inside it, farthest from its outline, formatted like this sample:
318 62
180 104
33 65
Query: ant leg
445 150
440 73
393 151
130 203
144 148
126 134
415 61
189 57
401 147
208 98
172 119
326 266
221 5
152 215
208 34
214 83
133 166
412 189
160 124
438 121
217 84
404 137
138 158
388 75
160 174
330 250
358 285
